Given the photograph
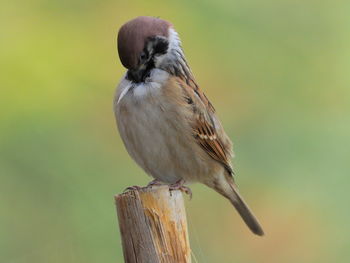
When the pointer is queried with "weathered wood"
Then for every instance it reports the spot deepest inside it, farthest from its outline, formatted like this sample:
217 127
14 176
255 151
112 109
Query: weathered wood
153 226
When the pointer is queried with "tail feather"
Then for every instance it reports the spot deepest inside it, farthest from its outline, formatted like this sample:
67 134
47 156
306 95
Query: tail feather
245 212
228 189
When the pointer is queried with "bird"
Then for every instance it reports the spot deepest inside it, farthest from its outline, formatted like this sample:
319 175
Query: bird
166 122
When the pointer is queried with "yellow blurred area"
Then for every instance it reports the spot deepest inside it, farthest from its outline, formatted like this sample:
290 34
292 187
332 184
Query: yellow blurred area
278 75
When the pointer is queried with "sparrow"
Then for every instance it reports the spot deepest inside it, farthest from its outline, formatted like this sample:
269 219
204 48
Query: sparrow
166 122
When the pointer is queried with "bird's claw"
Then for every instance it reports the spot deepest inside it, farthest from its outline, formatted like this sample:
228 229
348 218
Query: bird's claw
155 182
179 185
132 188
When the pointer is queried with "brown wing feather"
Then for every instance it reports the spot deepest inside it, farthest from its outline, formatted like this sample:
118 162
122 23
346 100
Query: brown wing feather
211 143
207 135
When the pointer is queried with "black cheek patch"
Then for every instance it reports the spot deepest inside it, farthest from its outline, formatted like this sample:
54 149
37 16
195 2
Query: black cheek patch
160 45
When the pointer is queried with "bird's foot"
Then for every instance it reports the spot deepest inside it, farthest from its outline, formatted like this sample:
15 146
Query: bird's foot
132 188
179 185
155 182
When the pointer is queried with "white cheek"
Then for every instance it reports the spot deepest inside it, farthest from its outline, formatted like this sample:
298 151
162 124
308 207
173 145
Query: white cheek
159 60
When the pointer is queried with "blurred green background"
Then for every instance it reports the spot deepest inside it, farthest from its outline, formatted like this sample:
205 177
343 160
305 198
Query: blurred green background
278 75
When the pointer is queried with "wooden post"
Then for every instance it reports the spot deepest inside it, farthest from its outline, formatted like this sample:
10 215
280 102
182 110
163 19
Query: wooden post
153 226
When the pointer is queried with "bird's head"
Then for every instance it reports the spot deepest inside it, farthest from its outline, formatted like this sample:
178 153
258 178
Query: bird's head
145 43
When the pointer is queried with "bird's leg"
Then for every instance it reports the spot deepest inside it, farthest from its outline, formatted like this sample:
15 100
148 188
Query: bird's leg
179 185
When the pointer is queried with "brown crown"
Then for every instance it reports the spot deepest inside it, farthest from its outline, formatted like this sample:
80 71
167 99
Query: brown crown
133 35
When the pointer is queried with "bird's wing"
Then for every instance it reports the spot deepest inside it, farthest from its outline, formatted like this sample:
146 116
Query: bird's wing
207 129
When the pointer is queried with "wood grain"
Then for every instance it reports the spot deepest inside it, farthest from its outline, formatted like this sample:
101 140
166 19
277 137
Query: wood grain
153 226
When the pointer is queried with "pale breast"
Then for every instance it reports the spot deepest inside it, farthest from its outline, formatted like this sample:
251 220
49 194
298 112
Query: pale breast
156 131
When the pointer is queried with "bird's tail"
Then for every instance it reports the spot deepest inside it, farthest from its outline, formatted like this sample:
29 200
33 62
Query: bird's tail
242 208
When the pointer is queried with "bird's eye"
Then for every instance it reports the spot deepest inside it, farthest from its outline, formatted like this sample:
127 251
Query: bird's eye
143 56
